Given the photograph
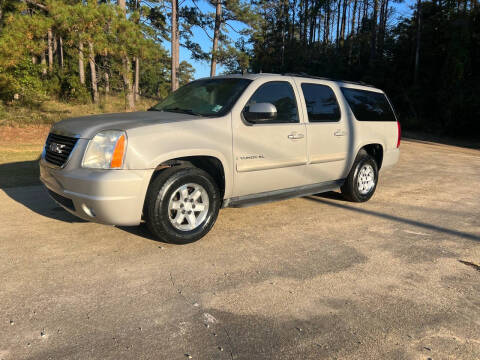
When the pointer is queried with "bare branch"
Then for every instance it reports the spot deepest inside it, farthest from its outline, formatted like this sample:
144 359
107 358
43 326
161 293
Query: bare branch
34 3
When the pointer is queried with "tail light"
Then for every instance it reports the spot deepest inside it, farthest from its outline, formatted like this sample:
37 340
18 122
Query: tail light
399 134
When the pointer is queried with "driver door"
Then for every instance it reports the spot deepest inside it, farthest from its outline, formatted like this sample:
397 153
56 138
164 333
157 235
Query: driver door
270 155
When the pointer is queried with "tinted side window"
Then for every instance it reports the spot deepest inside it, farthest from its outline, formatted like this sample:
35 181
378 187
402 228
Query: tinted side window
280 94
369 105
321 103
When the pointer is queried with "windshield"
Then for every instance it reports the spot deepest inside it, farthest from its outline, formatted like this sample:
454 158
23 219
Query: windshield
209 97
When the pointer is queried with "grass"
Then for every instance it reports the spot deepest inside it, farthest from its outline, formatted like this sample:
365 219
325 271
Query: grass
23 132
19 160
51 111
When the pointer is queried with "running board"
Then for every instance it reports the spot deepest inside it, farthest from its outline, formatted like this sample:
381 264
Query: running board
283 194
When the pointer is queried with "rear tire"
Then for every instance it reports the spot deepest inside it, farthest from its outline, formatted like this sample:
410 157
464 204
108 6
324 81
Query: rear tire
182 205
362 180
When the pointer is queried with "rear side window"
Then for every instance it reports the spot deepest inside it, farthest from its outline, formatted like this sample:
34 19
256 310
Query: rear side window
369 105
322 105
280 94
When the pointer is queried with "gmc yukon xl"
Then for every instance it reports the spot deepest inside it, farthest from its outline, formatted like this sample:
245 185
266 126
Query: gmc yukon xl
231 140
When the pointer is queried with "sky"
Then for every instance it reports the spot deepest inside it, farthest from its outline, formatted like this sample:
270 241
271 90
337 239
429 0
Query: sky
202 69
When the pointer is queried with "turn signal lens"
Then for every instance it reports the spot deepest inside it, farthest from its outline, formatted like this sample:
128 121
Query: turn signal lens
117 157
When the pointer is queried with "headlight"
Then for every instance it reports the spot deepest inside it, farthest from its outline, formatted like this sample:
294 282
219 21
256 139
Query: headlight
106 150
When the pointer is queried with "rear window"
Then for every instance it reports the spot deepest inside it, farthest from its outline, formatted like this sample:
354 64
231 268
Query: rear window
321 103
369 105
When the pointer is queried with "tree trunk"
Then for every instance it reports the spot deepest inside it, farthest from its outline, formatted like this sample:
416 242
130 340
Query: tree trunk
34 59
107 83
373 43
300 20
305 22
216 35
284 30
359 19
127 82
294 7
81 66
382 28
43 62
93 72
60 51
326 33
137 78
354 12
50 50
286 4
417 47
177 57
106 76
174 48
352 32
338 20
343 22
127 71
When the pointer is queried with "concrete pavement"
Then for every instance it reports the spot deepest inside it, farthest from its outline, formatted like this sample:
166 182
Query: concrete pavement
307 278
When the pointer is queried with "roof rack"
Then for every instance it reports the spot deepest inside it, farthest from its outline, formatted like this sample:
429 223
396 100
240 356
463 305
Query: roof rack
302 74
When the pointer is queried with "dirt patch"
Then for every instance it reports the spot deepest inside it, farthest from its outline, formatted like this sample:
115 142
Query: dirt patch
12 136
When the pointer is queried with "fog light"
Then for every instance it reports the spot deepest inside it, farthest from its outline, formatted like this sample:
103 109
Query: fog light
88 211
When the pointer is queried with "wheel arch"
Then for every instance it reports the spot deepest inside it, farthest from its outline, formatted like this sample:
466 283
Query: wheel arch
375 150
211 164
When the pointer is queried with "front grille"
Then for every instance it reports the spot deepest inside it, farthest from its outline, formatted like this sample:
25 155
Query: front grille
58 148
62 200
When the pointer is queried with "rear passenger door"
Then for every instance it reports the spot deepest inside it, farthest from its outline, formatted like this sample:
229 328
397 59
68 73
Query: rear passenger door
327 131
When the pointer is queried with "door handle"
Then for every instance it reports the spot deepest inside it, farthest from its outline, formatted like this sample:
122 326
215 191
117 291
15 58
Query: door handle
339 133
295 136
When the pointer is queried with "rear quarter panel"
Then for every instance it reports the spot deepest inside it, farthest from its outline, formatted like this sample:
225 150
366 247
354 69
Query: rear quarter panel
364 133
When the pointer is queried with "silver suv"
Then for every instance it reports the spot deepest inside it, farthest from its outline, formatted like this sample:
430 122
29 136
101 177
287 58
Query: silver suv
225 141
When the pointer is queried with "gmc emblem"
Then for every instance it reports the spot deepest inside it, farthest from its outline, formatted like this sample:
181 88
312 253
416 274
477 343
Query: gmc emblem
56 148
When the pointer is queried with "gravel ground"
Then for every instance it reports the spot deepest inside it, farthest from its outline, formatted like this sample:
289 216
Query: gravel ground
309 278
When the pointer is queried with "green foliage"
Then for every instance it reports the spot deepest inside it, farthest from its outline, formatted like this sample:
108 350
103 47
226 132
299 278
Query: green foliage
23 82
107 35
71 90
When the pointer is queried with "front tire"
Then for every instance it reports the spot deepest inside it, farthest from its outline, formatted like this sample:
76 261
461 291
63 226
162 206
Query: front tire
182 205
362 180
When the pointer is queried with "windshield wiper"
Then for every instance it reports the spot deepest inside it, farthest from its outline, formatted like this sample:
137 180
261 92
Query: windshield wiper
182 111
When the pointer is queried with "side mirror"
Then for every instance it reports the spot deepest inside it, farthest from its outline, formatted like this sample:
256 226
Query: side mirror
259 112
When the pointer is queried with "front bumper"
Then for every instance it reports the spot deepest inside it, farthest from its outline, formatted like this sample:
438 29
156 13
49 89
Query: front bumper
114 197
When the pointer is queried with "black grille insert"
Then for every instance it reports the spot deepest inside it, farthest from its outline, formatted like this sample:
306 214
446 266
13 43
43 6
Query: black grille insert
58 148
62 200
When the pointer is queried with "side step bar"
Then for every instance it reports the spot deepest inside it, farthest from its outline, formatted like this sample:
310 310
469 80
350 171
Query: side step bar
283 194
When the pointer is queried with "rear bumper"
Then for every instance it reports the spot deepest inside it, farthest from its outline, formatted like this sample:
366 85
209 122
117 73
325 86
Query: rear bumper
390 158
112 197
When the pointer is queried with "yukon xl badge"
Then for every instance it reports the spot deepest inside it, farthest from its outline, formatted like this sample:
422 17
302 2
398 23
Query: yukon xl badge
251 157
56 148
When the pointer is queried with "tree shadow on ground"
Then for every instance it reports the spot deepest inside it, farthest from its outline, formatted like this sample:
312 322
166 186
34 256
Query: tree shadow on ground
34 198
325 199
426 138
20 173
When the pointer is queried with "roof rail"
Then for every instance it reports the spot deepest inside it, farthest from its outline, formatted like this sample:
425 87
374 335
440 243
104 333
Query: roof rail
302 74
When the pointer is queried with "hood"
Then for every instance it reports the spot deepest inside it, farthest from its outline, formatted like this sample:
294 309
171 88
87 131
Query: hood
88 126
